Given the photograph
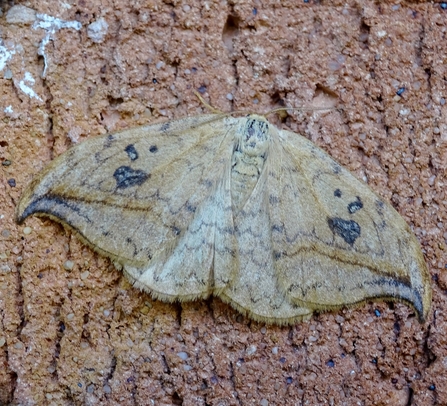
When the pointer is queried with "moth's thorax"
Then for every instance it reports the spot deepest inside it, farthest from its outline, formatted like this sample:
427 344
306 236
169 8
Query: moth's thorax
249 156
254 136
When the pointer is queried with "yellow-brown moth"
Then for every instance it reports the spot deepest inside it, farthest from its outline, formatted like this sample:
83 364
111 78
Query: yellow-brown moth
237 208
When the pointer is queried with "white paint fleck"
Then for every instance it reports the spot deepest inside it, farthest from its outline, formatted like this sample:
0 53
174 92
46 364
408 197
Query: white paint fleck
8 110
25 86
51 25
97 30
381 34
5 55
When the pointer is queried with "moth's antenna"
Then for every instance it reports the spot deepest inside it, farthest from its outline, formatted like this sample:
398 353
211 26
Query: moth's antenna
207 105
286 109
279 109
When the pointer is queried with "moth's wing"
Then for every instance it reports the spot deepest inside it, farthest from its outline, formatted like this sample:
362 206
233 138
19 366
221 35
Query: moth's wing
254 288
203 259
136 195
335 242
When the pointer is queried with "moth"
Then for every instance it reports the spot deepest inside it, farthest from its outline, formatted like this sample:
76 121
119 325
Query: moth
237 208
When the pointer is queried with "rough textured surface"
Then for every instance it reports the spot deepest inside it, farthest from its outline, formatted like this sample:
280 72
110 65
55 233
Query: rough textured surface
72 331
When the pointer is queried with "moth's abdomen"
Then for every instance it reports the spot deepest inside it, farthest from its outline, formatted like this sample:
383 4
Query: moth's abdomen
249 156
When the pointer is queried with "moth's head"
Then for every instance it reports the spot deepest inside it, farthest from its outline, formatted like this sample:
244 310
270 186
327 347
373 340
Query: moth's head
254 135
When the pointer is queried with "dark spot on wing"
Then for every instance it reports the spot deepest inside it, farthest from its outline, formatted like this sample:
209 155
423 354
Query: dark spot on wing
207 183
131 152
273 199
191 208
336 169
126 177
164 127
227 230
337 193
109 140
278 228
380 205
278 254
349 230
355 206
154 148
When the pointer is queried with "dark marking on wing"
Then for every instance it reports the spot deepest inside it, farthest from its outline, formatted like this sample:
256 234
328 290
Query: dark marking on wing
191 208
336 169
337 193
381 226
56 206
109 140
176 230
131 152
207 183
273 199
355 206
380 205
165 126
278 228
349 230
126 177
131 242
153 149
